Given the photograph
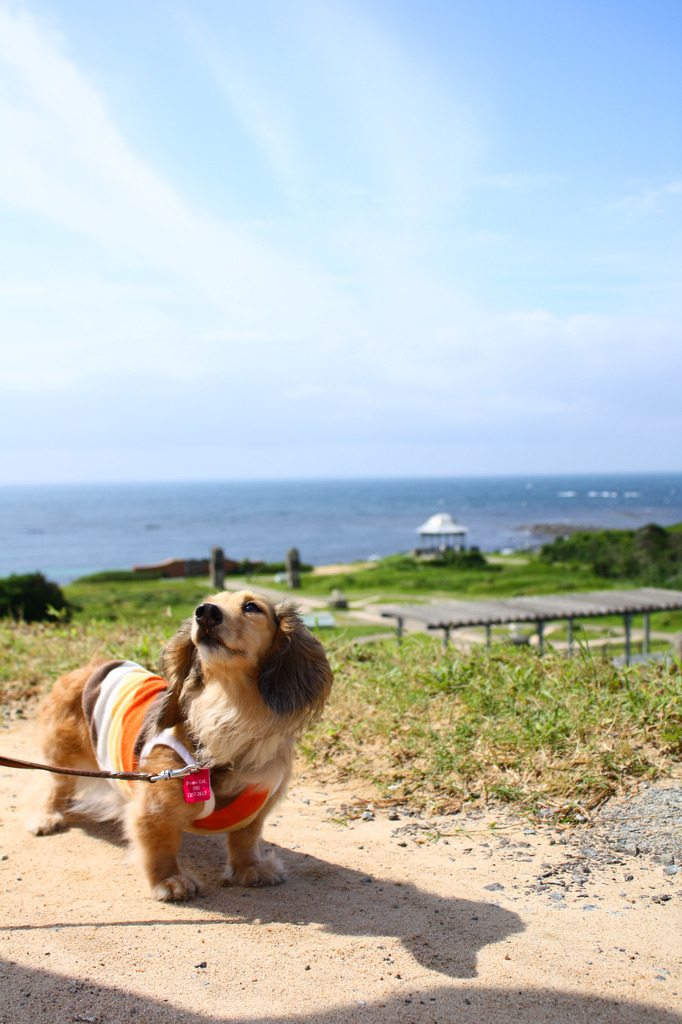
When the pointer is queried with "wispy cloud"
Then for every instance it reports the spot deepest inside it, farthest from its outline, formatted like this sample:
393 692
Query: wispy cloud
519 182
97 186
71 165
66 160
263 110
420 139
649 199
338 108
363 305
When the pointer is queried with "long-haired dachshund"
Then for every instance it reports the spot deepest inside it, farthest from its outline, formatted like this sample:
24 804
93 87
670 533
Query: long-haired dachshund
239 681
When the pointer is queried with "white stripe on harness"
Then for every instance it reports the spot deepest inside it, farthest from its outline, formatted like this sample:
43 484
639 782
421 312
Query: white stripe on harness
167 738
108 695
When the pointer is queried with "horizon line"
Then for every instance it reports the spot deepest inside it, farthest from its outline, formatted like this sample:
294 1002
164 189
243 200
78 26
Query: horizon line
363 478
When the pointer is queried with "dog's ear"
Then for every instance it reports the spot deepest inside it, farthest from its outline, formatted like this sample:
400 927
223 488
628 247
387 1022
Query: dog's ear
295 677
178 659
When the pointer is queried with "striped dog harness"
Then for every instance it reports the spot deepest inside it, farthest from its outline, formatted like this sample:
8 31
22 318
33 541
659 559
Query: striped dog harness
121 701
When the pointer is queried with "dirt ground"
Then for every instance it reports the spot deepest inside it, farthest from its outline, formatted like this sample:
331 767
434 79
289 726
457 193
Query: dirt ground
385 916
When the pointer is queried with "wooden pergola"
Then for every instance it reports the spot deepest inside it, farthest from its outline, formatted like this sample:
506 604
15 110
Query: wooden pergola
449 615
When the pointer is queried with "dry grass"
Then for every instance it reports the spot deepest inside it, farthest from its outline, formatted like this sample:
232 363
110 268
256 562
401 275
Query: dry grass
33 655
438 729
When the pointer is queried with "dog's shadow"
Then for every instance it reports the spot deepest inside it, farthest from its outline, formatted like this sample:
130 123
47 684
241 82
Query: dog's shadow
442 934
107 831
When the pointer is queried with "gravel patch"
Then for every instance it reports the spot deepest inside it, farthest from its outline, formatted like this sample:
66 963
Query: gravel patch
649 823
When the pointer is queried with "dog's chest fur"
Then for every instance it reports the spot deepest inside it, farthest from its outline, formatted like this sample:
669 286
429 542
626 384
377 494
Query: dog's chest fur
238 740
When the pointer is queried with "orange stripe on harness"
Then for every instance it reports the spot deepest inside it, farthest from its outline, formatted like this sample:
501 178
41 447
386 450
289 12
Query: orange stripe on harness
238 813
135 711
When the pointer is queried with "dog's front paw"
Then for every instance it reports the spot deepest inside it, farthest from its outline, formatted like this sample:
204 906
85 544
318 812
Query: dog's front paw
44 823
267 870
176 887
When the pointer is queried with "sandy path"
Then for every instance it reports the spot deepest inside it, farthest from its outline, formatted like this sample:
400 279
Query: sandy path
380 920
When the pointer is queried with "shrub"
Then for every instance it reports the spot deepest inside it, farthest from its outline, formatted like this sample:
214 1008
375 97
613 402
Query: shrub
471 559
32 598
121 576
651 555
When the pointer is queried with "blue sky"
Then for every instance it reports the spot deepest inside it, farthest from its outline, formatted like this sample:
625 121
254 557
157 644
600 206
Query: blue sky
317 239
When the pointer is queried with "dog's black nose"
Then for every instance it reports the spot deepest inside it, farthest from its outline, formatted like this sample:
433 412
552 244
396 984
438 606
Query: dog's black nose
208 614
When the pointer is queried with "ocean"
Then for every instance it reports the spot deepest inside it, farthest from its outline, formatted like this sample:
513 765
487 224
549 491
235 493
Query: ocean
71 530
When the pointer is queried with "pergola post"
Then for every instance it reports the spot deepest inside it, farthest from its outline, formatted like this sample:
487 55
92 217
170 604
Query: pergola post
646 640
569 627
541 636
488 634
627 623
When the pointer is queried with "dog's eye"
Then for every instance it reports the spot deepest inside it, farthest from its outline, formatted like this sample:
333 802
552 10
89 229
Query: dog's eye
251 606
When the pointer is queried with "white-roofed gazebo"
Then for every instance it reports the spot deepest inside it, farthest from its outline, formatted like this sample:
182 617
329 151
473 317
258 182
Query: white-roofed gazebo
441 532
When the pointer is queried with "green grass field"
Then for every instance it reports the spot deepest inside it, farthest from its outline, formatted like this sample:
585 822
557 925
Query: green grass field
123 597
436 728
401 575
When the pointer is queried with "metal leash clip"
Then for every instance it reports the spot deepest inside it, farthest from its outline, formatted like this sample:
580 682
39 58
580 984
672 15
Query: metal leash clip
175 773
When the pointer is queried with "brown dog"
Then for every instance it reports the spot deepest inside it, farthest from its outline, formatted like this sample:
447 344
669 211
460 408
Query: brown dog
242 679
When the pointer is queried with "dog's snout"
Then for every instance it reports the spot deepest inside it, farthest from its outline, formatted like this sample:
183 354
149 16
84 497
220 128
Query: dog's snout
208 615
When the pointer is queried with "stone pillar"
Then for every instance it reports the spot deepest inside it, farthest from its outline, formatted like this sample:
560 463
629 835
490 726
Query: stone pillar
217 568
293 569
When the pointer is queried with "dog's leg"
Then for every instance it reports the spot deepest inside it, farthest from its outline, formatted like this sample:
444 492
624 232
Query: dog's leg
155 819
65 742
245 865
53 799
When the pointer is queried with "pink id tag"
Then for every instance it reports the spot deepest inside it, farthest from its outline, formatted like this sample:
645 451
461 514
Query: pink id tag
197 786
